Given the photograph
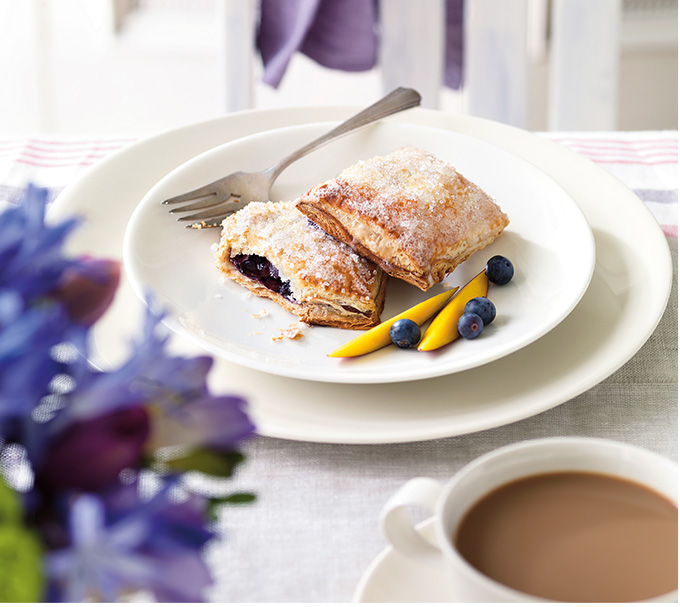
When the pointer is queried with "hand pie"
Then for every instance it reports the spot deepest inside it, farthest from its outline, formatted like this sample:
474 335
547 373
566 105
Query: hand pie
410 212
276 252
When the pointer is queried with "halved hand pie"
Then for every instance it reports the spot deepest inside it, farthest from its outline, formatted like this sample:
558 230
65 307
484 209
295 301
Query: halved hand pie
276 252
409 211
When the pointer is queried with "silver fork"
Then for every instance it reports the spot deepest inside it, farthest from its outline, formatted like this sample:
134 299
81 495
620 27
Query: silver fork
231 193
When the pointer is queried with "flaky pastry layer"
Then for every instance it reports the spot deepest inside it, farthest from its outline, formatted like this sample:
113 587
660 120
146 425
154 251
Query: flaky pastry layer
409 211
323 281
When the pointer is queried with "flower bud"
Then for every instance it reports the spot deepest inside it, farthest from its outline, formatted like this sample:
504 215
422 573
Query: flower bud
87 289
89 455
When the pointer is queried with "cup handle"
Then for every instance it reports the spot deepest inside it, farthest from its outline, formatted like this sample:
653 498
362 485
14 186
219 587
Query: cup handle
396 524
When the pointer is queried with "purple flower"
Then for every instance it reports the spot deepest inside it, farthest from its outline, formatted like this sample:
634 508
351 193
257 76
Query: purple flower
89 455
27 336
31 259
120 543
184 412
212 421
79 428
173 387
44 296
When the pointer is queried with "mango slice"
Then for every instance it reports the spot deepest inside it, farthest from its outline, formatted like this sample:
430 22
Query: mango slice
444 328
379 336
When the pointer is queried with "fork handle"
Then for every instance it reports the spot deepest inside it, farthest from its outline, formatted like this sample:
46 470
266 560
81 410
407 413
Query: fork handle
398 100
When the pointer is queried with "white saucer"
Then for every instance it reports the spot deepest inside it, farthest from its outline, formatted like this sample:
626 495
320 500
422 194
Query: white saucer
395 578
619 311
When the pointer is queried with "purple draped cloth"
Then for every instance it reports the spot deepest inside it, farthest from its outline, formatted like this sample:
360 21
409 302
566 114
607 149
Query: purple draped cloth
339 34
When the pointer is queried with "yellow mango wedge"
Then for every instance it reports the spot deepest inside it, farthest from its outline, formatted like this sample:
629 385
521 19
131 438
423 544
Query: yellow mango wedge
379 336
444 328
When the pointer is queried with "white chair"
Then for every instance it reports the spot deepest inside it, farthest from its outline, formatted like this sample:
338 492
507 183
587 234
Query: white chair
499 39
583 51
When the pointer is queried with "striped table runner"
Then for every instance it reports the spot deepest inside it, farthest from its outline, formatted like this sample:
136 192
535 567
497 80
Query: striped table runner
646 161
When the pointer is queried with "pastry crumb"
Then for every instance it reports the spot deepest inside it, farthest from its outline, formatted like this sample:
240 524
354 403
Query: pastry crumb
261 314
292 332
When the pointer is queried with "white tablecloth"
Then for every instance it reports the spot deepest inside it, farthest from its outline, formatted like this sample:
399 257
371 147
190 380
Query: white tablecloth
314 528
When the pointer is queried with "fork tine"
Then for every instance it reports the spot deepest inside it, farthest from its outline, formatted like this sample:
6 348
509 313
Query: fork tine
202 192
214 213
201 204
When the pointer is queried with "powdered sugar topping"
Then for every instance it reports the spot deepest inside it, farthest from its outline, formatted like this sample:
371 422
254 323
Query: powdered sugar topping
415 197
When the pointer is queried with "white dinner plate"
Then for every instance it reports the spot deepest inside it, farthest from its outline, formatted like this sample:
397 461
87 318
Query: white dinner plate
620 309
177 266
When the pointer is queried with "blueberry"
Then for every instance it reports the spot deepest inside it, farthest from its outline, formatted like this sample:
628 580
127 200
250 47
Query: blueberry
404 333
483 307
470 325
499 269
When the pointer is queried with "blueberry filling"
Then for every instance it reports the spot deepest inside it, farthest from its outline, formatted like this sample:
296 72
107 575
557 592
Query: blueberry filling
354 310
261 269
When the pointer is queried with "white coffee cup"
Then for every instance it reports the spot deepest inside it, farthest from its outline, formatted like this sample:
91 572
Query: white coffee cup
449 502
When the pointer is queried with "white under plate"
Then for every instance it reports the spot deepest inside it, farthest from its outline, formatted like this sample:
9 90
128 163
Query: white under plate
620 309
177 265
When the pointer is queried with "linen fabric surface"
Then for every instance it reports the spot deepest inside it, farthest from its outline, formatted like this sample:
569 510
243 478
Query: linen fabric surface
314 528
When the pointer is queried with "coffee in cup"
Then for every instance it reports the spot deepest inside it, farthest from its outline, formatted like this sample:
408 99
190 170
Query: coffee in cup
564 519
574 537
